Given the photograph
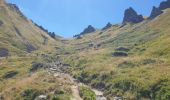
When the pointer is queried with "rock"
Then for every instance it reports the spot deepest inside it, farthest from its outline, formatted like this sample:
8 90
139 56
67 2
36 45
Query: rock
30 48
130 16
164 5
155 12
1 23
122 49
119 54
4 52
41 97
118 98
36 66
107 26
10 74
89 29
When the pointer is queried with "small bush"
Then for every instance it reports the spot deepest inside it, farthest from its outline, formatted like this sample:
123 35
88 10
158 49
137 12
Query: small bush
87 93
126 64
148 61
30 94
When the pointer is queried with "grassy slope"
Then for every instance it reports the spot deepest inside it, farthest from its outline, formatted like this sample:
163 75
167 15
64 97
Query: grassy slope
15 33
143 74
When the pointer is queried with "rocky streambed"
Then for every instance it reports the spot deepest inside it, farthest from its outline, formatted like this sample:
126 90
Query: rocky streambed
57 69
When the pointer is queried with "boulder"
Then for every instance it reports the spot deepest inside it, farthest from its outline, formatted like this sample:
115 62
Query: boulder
107 26
119 54
155 12
30 48
4 52
1 23
164 5
10 74
131 16
122 49
36 66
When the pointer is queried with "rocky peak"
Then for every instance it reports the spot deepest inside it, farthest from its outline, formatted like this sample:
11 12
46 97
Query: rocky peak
164 5
131 16
155 12
107 26
89 29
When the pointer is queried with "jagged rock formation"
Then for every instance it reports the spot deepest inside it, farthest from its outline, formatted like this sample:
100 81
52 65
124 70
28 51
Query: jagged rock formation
155 12
131 16
164 5
107 26
89 29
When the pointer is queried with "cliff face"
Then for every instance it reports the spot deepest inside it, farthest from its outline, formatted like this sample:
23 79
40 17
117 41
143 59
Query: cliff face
164 5
131 16
155 12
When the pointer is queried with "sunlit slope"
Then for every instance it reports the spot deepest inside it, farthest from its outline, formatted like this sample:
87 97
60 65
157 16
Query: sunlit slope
18 34
132 61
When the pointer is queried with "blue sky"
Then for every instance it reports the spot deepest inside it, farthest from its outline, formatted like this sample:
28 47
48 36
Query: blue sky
70 17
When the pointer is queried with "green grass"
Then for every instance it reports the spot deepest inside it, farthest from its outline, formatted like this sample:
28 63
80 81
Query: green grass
143 74
86 93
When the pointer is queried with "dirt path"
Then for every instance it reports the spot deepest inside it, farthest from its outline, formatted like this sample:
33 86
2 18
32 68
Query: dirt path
75 93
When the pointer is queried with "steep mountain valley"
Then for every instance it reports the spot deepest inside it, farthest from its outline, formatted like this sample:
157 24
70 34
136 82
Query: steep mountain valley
127 61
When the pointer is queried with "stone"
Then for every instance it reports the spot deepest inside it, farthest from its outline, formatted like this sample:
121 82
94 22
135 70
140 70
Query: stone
4 52
131 16
119 54
30 48
1 23
155 12
107 26
10 74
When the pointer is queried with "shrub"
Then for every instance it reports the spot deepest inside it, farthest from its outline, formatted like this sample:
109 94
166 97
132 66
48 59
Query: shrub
86 93
30 94
148 61
126 64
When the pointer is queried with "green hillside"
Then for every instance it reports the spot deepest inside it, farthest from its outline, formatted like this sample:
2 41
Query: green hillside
130 61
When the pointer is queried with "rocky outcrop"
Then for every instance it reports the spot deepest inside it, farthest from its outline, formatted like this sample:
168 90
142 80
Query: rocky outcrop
155 12
89 29
164 5
1 23
107 26
30 47
131 16
4 52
